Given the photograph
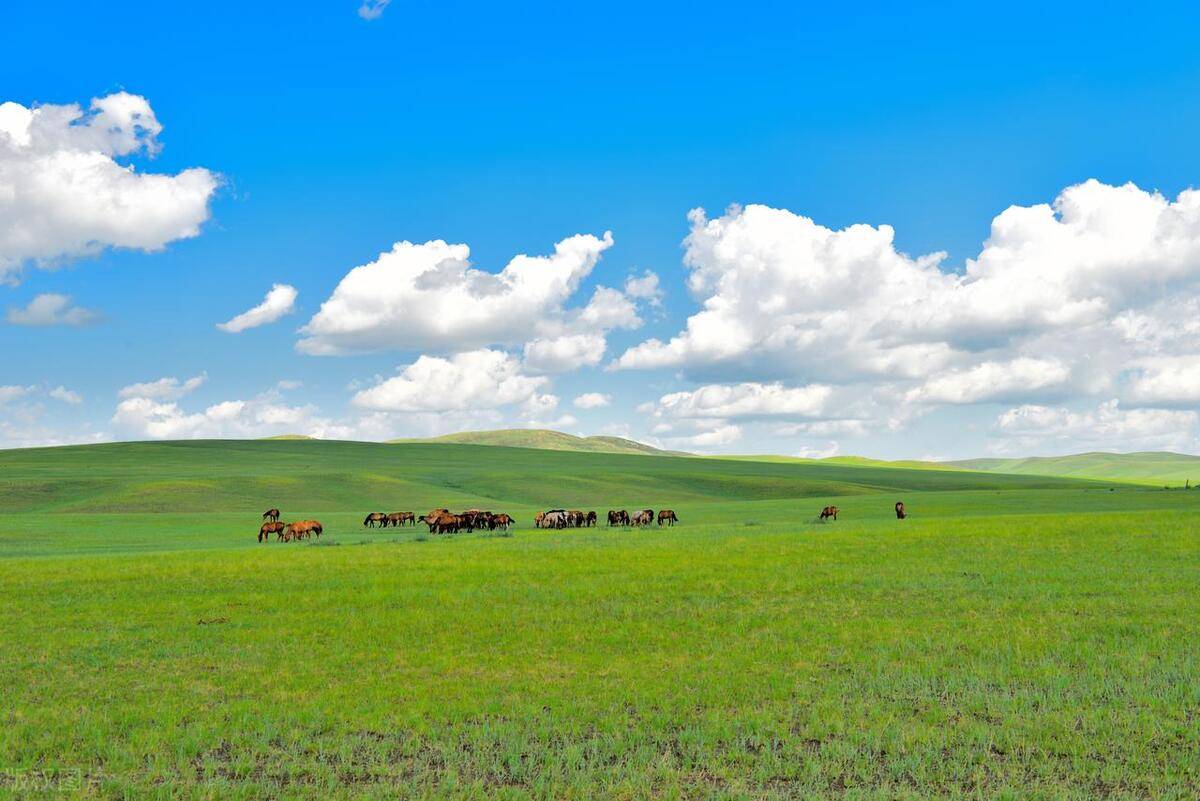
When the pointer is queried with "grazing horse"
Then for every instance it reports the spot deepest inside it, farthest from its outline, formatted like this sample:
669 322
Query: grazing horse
503 521
576 518
272 515
644 517
900 513
303 529
375 519
538 519
618 517
829 511
667 515
555 518
269 528
590 520
396 519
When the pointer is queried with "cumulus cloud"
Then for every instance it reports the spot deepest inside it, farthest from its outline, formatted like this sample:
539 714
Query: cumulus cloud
644 287
565 353
1094 295
746 400
12 392
280 300
592 400
990 381
428 297
1166 381
66 195
372 9
1107 426
156 419
717 437
51 309
168 388
65 395
480 379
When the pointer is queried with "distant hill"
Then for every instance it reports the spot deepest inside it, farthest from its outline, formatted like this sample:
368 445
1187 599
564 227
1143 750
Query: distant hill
847 461
544 439
1153 467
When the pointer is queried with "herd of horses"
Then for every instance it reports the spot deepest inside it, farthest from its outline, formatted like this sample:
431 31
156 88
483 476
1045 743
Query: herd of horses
443 521
574 518
288 532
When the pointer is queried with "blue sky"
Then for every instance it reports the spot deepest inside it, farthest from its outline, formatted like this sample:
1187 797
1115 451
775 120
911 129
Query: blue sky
509 128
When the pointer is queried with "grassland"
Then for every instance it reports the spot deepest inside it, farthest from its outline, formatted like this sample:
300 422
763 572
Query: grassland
1017 637
1156 468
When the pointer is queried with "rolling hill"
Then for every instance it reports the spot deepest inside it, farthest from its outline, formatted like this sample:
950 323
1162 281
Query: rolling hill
544 439
1152 467
197 476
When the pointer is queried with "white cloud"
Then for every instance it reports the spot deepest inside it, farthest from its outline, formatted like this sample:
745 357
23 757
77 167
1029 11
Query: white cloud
12 392
1062 297
746 400
565 353
1108 426
990 381
51 309
592 400
169 388
481 379
644 287
155 419
1166 381
428 297
818 452
722 435
66 395
280 300
65 195
372 9
824 428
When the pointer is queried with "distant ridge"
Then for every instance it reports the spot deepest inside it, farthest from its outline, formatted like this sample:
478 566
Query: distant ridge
545 439
1145 467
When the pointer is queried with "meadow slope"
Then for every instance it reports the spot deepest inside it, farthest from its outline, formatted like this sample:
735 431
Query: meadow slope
1017 637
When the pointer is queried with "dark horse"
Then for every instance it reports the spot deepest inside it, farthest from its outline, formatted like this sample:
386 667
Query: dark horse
272 515
830 511
900 513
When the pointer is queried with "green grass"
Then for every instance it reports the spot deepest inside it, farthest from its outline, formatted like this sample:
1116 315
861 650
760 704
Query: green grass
1017 637
1151 468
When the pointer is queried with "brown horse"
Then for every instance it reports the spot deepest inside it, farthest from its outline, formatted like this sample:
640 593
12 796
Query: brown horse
272 515
305 529
644 517
590 520
375 519
269 528
900 513
669 516
503 521
618 517
829 511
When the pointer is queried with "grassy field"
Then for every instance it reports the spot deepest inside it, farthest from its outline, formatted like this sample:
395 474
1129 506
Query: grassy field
1157 468
1017 637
